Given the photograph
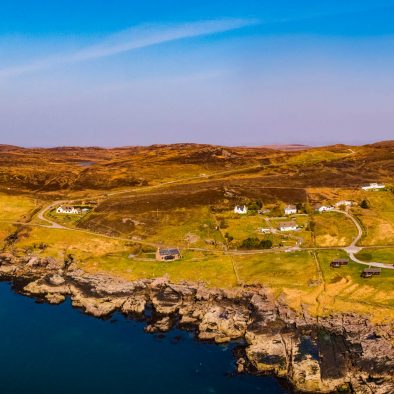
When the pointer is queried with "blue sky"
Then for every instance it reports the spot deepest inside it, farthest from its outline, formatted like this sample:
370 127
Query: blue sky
234 73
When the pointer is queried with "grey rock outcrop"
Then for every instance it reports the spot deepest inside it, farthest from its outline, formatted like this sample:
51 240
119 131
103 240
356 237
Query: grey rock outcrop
317 355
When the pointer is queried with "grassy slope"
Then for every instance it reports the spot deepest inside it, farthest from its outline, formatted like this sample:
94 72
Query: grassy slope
14 209
278 271
333 229
168 215
378 221
385 255
346 291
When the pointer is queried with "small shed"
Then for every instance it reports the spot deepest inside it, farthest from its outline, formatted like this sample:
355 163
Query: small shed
369 272
339 262
168 254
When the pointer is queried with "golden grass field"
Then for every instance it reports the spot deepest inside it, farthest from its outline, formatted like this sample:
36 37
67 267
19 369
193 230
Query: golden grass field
378 220
346 291
333 229
16 208
135 204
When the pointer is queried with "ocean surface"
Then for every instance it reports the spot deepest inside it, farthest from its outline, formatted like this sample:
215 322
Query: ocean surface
58 349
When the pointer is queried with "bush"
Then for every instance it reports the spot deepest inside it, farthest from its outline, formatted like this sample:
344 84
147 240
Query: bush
365 204
255 243
255 206
148 249
250 243
228 237
277 211
266 244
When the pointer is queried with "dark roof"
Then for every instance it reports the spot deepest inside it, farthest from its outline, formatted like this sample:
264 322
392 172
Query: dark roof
168 252
287 224
372 270
340 261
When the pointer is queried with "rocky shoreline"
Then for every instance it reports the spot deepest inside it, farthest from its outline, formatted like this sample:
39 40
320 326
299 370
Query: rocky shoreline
341 353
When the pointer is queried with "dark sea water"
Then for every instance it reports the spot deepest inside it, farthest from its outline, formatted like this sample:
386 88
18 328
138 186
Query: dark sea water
57 349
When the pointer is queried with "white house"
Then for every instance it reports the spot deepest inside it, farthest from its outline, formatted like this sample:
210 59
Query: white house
290 210
68 210
241 209
343 203
323 208
265 230
288 226
373 186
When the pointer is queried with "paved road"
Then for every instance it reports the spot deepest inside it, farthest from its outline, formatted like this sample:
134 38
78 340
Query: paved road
43 211
352 249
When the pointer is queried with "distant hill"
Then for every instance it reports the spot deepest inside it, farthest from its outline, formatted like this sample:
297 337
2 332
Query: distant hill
74 169
287 147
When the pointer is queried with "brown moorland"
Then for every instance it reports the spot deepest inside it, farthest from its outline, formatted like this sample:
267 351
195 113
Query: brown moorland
183 195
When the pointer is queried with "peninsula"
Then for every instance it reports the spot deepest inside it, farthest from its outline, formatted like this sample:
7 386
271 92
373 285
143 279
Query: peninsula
289 249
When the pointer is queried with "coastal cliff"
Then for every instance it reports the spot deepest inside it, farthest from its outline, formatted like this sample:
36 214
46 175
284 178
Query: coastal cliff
343 352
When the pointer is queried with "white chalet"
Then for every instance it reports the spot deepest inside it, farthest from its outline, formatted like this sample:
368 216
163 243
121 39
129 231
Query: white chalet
288 226
68 210
323 208
241 209
290 210
373 186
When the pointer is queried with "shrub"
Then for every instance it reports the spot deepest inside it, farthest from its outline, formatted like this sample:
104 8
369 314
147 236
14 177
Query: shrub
250 243
228 237
255 205
148 249
265 244
255 243
365 204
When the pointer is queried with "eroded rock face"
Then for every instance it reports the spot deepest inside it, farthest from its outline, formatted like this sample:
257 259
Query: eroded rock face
223 324
134 305
343 352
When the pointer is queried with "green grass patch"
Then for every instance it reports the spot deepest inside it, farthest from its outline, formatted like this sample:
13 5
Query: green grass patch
385 255
278 270
214 270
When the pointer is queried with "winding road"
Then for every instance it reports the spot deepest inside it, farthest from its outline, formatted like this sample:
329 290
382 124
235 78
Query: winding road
351 249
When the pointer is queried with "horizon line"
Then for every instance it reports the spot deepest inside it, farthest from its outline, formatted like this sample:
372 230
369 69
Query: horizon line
252 146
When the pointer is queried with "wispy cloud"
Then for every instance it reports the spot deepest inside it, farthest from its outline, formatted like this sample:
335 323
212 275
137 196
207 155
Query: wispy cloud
129 40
